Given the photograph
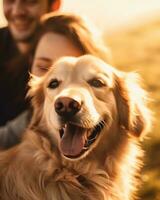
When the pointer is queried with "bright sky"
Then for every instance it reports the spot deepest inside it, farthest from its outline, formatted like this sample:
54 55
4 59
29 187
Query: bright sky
109 14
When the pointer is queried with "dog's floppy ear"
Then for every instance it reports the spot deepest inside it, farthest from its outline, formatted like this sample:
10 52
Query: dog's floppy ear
131 101
36 95
35 89
33 85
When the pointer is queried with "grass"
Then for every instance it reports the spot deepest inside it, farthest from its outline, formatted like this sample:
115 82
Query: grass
138 49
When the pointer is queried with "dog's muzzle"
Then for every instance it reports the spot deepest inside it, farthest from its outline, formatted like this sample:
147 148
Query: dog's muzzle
75 138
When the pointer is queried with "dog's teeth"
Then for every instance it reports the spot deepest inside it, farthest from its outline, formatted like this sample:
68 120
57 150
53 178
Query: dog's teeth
85 148
61 131
85 137
88 133
92 139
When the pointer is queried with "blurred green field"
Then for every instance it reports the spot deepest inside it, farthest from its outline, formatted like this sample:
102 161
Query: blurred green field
138 49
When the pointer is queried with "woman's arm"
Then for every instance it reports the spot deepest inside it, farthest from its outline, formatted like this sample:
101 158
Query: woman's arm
11 133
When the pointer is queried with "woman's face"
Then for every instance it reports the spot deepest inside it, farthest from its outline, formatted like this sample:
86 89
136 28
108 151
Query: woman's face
51 47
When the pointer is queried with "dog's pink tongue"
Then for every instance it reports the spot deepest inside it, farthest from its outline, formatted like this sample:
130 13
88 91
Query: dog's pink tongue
72 141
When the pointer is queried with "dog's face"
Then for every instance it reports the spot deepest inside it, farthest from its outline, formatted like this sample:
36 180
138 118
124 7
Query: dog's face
79 101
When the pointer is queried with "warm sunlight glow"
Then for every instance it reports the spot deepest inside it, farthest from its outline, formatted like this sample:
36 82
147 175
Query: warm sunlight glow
108 14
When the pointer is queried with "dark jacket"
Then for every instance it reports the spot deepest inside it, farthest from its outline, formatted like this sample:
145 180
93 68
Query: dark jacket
13 78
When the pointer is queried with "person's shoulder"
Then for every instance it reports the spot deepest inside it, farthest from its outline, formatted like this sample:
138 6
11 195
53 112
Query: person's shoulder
5 35
5 39
4 31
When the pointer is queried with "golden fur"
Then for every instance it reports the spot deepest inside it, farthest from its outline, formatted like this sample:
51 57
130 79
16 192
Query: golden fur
38 169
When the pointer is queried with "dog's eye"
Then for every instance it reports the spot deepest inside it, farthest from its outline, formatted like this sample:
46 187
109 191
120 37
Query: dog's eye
96 83
53 84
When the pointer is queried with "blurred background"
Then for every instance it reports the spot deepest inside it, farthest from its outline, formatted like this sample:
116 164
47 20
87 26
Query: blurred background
131 29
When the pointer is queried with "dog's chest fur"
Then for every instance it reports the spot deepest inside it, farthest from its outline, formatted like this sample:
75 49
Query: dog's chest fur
48 176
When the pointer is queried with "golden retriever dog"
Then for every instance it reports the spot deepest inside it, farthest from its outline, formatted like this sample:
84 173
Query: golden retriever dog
83 140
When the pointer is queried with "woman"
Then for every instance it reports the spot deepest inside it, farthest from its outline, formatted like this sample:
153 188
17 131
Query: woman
61 35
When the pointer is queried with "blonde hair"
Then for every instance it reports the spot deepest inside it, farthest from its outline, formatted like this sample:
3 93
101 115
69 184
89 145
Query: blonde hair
83 35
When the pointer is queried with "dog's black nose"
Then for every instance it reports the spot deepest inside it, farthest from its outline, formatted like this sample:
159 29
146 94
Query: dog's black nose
67 107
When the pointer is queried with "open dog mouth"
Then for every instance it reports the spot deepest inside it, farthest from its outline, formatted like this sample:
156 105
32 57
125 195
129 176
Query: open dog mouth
75 140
